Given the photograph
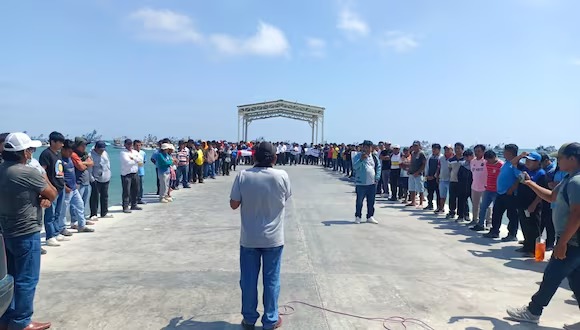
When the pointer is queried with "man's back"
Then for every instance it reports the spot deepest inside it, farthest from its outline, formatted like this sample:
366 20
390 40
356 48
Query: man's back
263 192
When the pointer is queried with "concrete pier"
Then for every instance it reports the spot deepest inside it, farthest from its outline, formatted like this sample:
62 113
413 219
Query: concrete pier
175 266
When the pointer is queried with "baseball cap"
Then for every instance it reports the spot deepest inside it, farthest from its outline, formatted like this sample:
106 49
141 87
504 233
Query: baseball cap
167 146
100 145
80 140
448 147
265 150
367 143
20 141
396 146
534 156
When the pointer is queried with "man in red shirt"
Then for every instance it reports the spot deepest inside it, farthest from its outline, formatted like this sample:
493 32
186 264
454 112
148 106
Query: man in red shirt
493 166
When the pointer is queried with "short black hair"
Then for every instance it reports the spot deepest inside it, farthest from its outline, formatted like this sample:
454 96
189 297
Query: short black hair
480 146
572 150
136 141
13 156
128 141
468 152
68 144
513 148
459 144
56 137
436 146
489 154
3 137
544 155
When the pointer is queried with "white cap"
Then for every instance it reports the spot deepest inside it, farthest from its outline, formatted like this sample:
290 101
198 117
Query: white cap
396 146
20 141
167 146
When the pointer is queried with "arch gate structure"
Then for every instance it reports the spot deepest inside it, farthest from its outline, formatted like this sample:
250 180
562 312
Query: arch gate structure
311 114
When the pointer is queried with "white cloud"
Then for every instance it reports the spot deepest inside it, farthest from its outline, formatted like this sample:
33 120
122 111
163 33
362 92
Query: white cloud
169 26
352 24
400 42
316 47
268 41
166 25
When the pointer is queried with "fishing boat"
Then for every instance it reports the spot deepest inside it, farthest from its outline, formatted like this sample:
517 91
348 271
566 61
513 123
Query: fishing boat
118 142
548 149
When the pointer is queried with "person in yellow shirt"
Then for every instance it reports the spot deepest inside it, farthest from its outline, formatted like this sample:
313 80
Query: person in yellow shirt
335 152
197 163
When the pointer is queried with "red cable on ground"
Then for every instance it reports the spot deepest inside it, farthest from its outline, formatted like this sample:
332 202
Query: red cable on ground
289 310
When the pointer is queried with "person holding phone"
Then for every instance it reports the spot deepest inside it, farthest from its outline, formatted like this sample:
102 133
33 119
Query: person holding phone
367 169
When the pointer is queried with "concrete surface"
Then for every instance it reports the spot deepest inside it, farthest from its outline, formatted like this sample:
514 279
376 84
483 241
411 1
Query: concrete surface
175 266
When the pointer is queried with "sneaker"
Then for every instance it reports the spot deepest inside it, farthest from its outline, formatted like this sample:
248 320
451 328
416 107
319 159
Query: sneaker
523 314
107 216
52 242
163 200
86 229
90 223
247 326
65 232
490 235
509 238
460 220
126 210
467 218
94 218
277 325
136 208
43 251
142 203
372 220
169 199
477 228
74 227
357 220
439 211
450 216
429 207
62 238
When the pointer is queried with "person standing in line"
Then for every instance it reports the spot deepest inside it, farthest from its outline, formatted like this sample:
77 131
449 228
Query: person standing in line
130 160
493 166
431 180
443 176
565 260
199 163
464 183
334 155
235 158
210 158
395 172
100 179
454 164
385 157
32 162
51 160
226 160
404 179
82 161
287 154
416 170
191 166
163 162
73 199
137 145
507 184
479 172
262 192
348 161
183 164
23 192
367 169
547 223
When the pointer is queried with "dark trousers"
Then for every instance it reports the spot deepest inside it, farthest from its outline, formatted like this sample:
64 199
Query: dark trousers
157 176
190 171
394 179
23 261
548 225
453 196
530 228
140 194
130 185
502 204
556 271
367 192
225 168
432 190
99 193
462 197
197 173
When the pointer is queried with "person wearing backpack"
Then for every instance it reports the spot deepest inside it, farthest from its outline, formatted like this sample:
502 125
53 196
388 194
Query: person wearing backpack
367 169
565 260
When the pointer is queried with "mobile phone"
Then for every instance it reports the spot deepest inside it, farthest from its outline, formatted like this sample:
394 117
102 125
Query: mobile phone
522 177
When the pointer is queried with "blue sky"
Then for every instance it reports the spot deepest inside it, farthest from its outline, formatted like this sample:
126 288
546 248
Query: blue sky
477 71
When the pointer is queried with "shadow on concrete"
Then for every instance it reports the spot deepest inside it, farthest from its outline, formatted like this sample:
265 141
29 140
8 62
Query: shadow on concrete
178 323
571 302
337 222
515 259
497 324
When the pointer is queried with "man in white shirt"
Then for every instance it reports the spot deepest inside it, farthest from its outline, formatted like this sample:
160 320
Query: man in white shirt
130 162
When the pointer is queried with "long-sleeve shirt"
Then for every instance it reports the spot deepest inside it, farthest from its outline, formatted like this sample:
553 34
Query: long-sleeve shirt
163 162
367 171
129 161
101 170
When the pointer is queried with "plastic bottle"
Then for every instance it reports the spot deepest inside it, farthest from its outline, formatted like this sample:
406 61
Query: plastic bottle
541 247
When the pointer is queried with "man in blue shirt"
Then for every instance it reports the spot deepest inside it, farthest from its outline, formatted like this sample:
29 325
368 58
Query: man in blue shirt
507 183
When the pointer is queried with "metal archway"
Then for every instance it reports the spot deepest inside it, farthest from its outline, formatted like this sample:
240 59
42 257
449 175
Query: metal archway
313 115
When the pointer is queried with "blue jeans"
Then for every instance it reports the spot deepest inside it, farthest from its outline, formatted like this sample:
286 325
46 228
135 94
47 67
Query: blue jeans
183 175
250 262
74 201
52 215
368 192
335 164
556 271
486 201
23 260
85 192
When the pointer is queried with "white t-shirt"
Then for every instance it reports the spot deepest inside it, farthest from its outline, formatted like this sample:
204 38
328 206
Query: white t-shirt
263 192
395 161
